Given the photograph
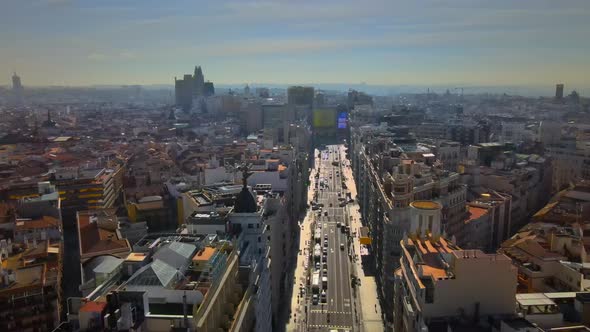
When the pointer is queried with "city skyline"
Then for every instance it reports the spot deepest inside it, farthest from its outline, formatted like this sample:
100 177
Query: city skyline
527 43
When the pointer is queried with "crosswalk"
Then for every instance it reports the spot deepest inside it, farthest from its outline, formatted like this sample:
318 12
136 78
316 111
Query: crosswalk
317 326
330 312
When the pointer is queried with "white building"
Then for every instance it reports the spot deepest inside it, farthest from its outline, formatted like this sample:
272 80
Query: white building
438 281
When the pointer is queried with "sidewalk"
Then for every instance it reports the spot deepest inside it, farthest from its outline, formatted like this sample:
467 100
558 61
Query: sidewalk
300 273
367 292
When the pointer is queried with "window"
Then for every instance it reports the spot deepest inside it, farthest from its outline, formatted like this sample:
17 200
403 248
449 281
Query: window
250 225
259 239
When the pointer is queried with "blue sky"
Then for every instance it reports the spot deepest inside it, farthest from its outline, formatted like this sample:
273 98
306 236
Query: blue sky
499 42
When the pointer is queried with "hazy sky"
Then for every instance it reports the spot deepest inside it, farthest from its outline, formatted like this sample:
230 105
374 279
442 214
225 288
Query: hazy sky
495 42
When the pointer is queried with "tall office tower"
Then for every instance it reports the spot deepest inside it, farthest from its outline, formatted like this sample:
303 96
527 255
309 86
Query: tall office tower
300 95
183 90
17 89
300 100
559 91
208 89
16 84
199 82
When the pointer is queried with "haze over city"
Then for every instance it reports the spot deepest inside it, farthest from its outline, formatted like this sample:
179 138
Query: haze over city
294 166
379 42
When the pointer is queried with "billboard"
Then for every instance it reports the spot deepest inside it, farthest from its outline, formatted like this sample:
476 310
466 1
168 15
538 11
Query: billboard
324 118
342 120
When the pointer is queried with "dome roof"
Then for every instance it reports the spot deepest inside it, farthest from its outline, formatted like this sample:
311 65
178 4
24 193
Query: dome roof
245 202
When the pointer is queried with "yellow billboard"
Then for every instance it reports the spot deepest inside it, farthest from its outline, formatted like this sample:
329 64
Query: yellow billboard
324 118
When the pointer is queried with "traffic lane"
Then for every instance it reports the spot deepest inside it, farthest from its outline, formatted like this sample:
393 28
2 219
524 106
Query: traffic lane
345 274
346 317
338 266
332 270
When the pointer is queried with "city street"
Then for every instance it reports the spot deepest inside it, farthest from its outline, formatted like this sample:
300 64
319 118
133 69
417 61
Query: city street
329 248
324 228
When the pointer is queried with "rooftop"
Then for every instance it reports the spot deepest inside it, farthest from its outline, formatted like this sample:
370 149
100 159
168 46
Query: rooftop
475 213
136 257
43 222
204 254
96 239
92 306
426 205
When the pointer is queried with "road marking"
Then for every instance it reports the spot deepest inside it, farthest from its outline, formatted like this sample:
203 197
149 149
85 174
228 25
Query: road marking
331 312
331 326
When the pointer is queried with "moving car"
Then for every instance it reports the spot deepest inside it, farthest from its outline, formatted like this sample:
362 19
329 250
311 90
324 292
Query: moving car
341 246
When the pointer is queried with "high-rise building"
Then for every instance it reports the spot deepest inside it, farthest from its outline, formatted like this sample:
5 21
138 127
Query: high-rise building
16 83
358 98
17 89
183 89
300 100
208 89
199 82
190 87
300 95
559 91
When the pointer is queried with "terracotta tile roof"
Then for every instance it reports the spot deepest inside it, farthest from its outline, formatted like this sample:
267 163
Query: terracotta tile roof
44 222
96 240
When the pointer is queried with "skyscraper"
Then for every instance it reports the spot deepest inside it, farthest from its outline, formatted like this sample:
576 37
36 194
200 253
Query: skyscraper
208 89
183 90
16 84
300 100
300 95
199 82
559 91
17 89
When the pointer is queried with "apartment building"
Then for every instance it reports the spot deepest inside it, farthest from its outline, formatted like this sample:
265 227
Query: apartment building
30 285
438 282
389 178
87 189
